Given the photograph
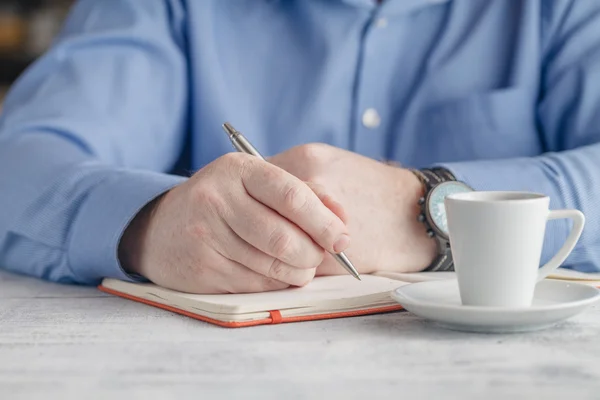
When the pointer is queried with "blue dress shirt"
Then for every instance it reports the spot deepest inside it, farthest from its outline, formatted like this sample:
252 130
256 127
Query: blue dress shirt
506 94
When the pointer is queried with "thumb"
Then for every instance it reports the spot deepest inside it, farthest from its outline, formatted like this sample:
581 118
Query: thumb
328 200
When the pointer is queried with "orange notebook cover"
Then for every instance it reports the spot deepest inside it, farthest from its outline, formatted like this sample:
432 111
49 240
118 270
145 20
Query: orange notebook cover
324 298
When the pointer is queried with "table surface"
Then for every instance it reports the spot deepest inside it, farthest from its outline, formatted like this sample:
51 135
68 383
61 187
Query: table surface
59 341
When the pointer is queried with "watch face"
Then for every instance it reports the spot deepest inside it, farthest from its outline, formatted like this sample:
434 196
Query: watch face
435 204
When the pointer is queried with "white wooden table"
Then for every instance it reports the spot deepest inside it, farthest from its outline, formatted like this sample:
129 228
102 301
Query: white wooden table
64 342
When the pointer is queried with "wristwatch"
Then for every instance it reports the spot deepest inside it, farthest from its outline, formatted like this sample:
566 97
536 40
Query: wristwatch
438 183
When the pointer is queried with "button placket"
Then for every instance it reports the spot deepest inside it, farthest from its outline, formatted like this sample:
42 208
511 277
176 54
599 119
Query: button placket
370 133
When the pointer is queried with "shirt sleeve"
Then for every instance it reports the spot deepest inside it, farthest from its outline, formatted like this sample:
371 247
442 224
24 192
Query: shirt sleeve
569 122
86 136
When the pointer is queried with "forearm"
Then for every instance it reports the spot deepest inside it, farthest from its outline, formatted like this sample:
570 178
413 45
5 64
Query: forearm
571 179
62 213
84 138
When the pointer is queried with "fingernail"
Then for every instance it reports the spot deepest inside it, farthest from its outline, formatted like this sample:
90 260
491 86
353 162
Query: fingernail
341 244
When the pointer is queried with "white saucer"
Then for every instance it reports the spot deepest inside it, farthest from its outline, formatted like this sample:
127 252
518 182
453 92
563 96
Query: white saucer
439 301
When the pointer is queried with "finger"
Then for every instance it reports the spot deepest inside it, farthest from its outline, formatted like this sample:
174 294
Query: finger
213 274
272 234
236 278
203 270
236 249
293 199
328 200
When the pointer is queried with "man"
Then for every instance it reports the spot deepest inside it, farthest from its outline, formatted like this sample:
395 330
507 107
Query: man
499 95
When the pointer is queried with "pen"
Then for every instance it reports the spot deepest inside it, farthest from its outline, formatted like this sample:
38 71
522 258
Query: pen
242 144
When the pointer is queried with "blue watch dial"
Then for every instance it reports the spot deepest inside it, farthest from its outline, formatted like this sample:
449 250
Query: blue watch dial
435 205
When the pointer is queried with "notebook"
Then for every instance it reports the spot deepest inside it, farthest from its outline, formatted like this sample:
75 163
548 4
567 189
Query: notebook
324 298
587 278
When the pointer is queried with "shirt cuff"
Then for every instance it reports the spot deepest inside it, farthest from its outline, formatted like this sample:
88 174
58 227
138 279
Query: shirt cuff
104 216
522 174
518 174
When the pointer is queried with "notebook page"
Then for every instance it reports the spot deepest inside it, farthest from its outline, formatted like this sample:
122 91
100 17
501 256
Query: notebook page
321 291
569 274
414 277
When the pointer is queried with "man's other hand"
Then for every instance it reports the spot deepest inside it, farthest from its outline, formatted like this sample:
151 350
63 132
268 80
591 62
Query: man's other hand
380 203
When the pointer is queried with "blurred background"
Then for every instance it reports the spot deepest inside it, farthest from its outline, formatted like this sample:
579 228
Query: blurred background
27 28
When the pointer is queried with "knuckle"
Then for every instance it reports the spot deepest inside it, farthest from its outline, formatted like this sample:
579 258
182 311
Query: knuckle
295 199
233 158
235 165
314 158
328 230
241 165
315 152
278 270
281 244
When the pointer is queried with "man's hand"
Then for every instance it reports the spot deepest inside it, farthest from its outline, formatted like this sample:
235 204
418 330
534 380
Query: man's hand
380 203
238 225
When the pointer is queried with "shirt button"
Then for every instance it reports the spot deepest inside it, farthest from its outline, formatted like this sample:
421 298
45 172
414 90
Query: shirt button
371 118
381 23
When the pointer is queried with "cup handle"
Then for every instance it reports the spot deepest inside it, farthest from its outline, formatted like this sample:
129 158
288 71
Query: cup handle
556 261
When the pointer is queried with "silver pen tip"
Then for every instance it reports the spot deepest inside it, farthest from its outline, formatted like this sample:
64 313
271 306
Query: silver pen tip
231 131
347 264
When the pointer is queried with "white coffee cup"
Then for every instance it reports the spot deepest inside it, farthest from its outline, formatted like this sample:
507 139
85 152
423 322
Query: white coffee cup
496 240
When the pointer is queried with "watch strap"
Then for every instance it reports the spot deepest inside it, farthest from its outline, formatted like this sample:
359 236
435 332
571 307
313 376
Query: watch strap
442 262
431 177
